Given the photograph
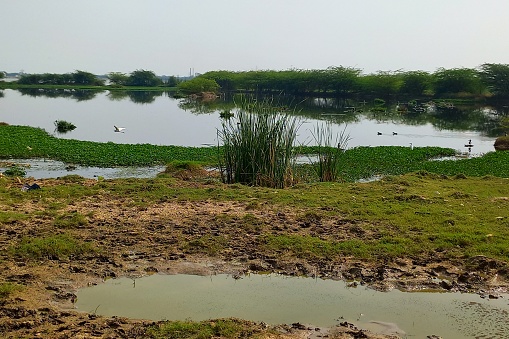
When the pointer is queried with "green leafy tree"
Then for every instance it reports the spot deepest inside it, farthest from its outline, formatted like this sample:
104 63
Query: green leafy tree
457 80
2 75
416 82
381 83
496 78
144 78
225 79
341 79
172 81
198 85
86 78
118 78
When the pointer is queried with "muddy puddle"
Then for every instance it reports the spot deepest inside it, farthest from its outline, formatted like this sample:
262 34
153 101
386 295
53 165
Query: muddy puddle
277 299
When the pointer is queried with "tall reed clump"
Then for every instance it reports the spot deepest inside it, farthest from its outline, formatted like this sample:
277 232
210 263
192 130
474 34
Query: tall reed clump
258 146
330 150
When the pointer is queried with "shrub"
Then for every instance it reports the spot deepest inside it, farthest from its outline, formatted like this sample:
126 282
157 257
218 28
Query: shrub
62 126
502 143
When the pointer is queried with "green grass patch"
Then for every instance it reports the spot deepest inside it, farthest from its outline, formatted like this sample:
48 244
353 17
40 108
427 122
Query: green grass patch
70 220
7 288
53 247
15 171
221 328
9 217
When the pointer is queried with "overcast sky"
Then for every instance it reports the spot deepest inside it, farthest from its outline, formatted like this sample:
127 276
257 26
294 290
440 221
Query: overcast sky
171 37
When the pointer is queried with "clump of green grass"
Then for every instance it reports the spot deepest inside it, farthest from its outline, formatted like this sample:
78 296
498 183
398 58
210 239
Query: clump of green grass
207 244
62 126
221 328
70 220
56 247
8 288
184 169
15 171
258 146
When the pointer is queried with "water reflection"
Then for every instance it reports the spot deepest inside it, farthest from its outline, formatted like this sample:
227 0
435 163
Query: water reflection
138 97
161 119
77 94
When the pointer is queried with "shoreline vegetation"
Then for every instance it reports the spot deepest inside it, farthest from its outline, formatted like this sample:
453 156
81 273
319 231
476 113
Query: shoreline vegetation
487 81
23 142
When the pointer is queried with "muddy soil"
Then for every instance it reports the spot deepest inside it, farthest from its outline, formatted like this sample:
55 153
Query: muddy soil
203 237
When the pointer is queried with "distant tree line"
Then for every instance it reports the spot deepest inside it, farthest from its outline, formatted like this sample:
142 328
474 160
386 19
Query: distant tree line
76 78
486 80
142 78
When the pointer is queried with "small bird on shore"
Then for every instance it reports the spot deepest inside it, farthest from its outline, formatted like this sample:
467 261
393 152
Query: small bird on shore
394 133
119 129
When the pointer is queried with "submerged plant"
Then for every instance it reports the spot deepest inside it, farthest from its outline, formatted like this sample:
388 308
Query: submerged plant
62 126
258 146
329 151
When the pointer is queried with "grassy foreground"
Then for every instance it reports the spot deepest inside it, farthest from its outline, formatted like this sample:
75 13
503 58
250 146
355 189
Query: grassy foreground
414 215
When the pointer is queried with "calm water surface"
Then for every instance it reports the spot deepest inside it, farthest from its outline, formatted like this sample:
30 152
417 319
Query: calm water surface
163 122
277 299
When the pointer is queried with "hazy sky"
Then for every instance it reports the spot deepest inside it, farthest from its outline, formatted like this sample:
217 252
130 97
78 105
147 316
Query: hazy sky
171 37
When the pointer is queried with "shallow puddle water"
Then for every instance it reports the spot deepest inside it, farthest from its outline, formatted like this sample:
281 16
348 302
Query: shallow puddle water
277 299
42 169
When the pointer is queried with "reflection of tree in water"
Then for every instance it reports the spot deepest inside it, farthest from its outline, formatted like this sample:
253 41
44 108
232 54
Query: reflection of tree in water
1 94
77 94
84 94
143 97
464 118
116 95
198 106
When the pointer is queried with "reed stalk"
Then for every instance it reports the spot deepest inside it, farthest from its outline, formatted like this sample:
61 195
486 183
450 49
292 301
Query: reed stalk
258 146
330 149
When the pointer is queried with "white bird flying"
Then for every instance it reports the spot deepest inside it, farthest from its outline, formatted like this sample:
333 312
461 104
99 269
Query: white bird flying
119 129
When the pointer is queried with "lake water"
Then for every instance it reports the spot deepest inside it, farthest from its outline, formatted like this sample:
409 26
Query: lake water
277 299
163 121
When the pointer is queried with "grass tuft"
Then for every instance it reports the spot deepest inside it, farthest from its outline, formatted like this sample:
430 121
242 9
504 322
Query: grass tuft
8 288
221 328
56 247
258 146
